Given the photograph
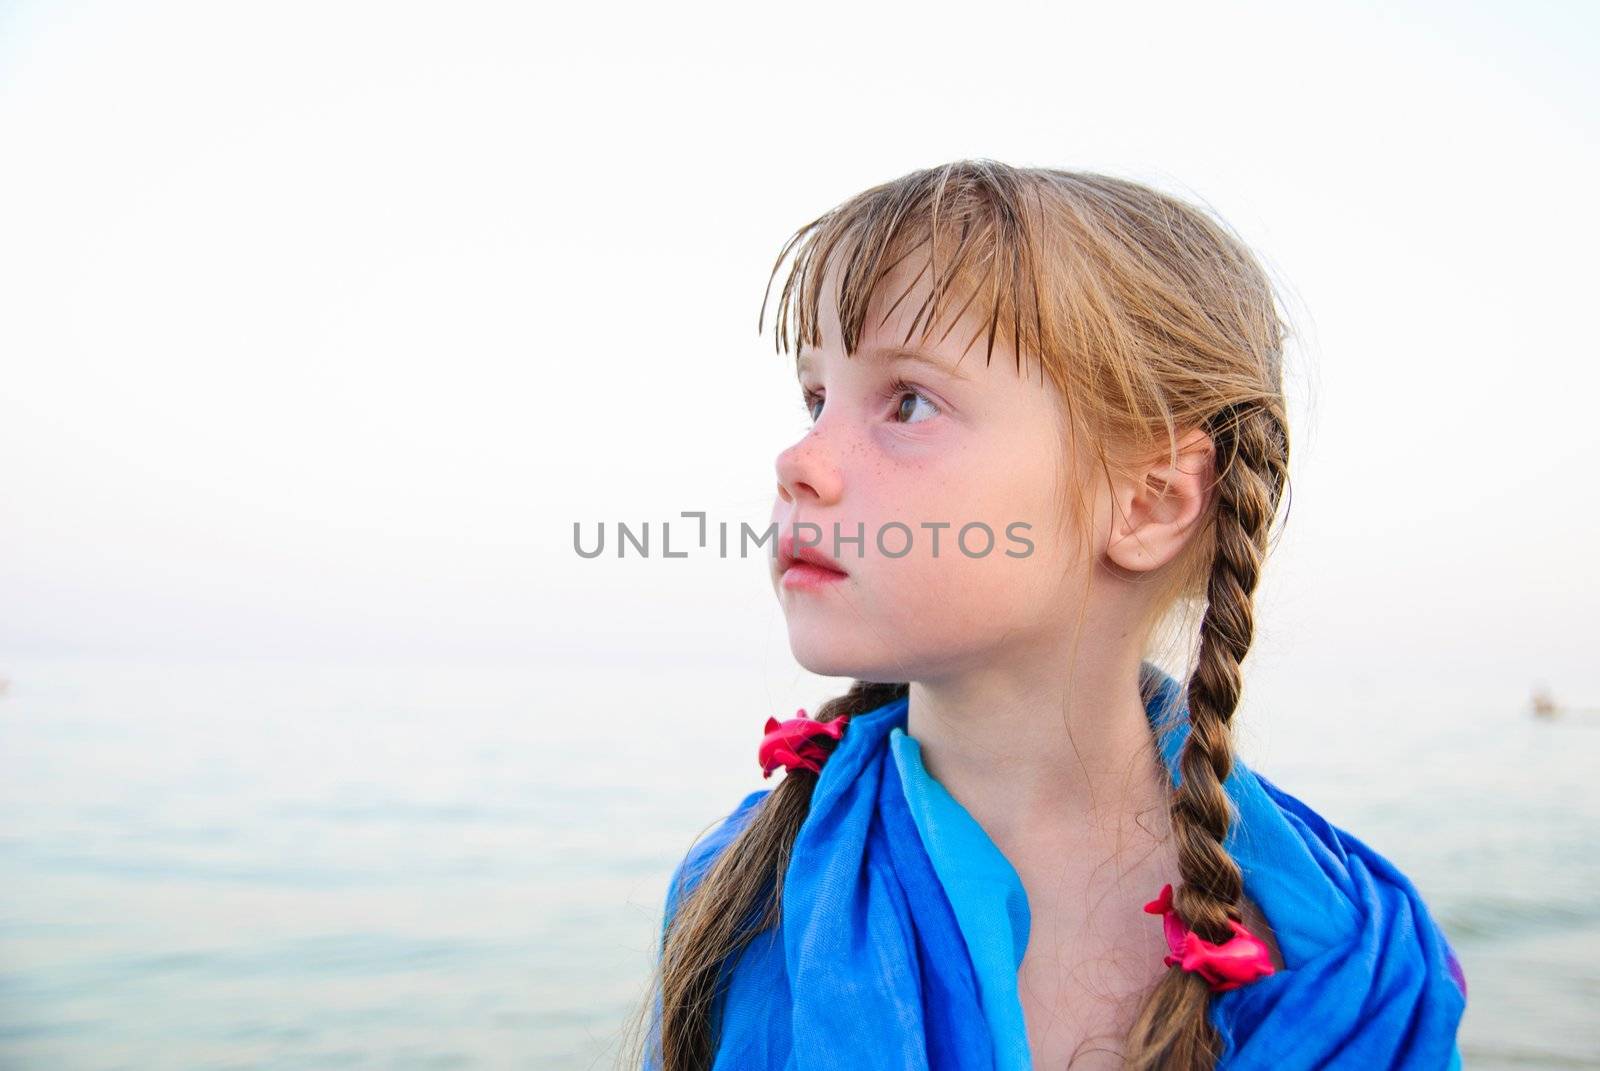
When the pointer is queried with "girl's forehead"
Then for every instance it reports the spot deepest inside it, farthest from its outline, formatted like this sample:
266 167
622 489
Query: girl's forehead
899 320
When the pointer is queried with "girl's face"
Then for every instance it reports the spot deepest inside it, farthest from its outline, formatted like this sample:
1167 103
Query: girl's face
906 453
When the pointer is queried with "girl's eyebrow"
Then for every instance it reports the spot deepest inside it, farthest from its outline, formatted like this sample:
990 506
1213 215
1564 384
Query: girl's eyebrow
894 355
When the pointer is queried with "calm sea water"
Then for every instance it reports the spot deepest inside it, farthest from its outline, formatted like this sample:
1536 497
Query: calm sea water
298 865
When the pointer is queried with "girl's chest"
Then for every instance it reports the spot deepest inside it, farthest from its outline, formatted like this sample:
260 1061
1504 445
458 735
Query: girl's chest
1081 984
1093 952
1092 959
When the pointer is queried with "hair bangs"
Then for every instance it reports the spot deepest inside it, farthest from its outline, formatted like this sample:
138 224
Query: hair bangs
973 226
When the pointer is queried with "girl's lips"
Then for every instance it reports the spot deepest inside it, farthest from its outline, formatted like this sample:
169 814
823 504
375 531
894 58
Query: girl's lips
804 576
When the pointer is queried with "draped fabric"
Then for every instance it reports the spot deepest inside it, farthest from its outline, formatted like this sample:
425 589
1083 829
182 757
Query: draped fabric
904 927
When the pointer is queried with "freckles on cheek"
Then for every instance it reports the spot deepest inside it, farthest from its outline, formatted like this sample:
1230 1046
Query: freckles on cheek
924 472
889 488
916 451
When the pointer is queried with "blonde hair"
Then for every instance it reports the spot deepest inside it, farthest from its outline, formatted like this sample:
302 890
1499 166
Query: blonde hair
1150 318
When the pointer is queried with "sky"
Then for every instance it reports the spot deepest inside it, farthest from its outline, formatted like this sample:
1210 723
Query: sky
321 325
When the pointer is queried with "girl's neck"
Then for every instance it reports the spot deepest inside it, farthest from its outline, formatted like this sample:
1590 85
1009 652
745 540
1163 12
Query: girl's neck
1031 756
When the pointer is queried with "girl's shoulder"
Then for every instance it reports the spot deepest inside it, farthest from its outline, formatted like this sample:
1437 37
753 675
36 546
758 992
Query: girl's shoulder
1321 885
704 852
1340 856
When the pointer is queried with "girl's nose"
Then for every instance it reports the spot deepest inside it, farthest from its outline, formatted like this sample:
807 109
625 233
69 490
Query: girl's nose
807 471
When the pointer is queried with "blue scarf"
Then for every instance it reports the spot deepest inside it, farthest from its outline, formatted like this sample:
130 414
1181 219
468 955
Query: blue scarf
904 927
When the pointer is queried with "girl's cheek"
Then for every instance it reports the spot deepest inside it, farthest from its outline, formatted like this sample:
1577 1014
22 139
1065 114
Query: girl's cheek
917 477
912 444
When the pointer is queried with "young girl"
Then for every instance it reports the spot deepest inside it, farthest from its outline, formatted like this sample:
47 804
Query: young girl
1047 419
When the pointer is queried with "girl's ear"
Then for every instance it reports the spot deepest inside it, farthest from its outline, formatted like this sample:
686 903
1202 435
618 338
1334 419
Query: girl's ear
1155 513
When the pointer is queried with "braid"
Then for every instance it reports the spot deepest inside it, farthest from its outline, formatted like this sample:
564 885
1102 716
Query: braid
1173 1030
861 697
740 896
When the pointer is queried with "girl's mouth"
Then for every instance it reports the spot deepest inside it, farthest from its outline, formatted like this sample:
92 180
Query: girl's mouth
806 576
806 567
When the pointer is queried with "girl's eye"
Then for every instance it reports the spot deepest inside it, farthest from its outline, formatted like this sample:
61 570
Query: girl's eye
811 399
899 391
905 392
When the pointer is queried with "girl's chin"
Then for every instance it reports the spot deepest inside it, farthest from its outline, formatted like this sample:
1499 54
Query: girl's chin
828 659
835 655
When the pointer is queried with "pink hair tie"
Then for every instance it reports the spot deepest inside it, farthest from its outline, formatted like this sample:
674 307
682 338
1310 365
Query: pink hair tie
795 744
1240 959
